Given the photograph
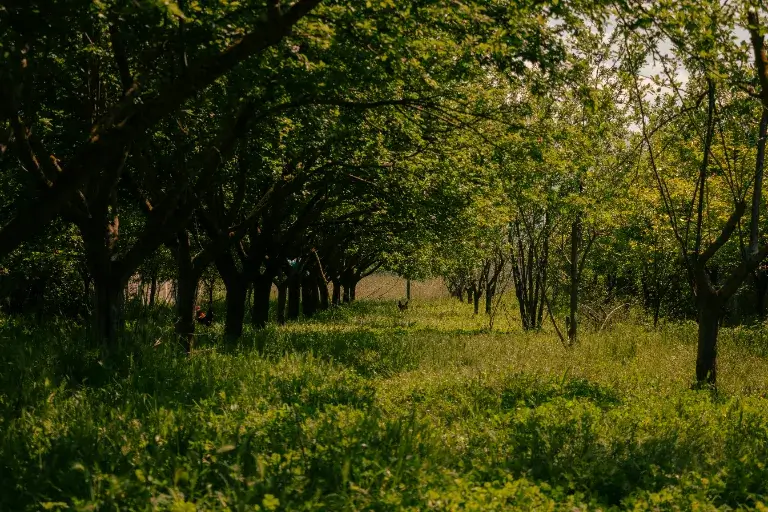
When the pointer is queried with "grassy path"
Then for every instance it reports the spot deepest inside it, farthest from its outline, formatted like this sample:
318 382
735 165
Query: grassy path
367 409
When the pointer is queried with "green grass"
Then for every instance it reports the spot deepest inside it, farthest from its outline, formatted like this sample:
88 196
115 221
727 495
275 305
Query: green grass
366 409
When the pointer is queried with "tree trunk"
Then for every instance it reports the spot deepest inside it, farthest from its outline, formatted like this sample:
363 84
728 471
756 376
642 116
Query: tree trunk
336 300
186 293
761 277
294 297
469 296
476 296
322 288
706 357
87 295
489 292
99 240
107 312
282 292
262 288
185 311
347 293
574 277
309 297
153 290
353 290
407 289
761 287
236 297
236 286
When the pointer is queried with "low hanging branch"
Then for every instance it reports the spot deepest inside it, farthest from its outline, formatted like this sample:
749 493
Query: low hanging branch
131 118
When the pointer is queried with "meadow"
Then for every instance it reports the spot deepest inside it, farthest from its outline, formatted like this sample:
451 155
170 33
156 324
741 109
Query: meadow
364 408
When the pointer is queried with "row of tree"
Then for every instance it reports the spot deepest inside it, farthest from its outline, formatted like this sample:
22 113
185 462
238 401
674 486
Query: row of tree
643 184
580 153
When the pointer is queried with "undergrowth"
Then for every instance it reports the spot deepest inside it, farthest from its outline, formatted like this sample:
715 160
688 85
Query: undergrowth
362 408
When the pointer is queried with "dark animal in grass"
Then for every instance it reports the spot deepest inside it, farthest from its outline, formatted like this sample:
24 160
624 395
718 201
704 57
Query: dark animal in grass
204 317
403 306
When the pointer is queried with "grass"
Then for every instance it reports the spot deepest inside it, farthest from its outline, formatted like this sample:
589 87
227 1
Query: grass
362 408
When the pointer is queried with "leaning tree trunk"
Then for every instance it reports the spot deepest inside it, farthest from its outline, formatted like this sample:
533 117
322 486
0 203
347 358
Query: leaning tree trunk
706 355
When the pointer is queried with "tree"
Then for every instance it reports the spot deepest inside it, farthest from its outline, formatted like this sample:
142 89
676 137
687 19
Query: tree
713 108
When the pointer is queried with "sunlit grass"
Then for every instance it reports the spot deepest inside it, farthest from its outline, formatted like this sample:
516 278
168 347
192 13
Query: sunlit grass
364 407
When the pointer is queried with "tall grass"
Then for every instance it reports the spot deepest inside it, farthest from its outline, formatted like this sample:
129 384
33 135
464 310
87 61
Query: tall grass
364 408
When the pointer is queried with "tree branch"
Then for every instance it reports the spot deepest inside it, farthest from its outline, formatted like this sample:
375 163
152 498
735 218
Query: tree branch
131 118
121 58
725 235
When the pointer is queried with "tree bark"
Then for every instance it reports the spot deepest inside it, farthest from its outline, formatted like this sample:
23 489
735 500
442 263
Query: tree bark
574 277
107 312
153 290
407 289
282 292
186 293
761 287
237 291
760 276
706 357
489 292
99 239
237 288
309 297
294 296
476 296
262 288
336 300
322 288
